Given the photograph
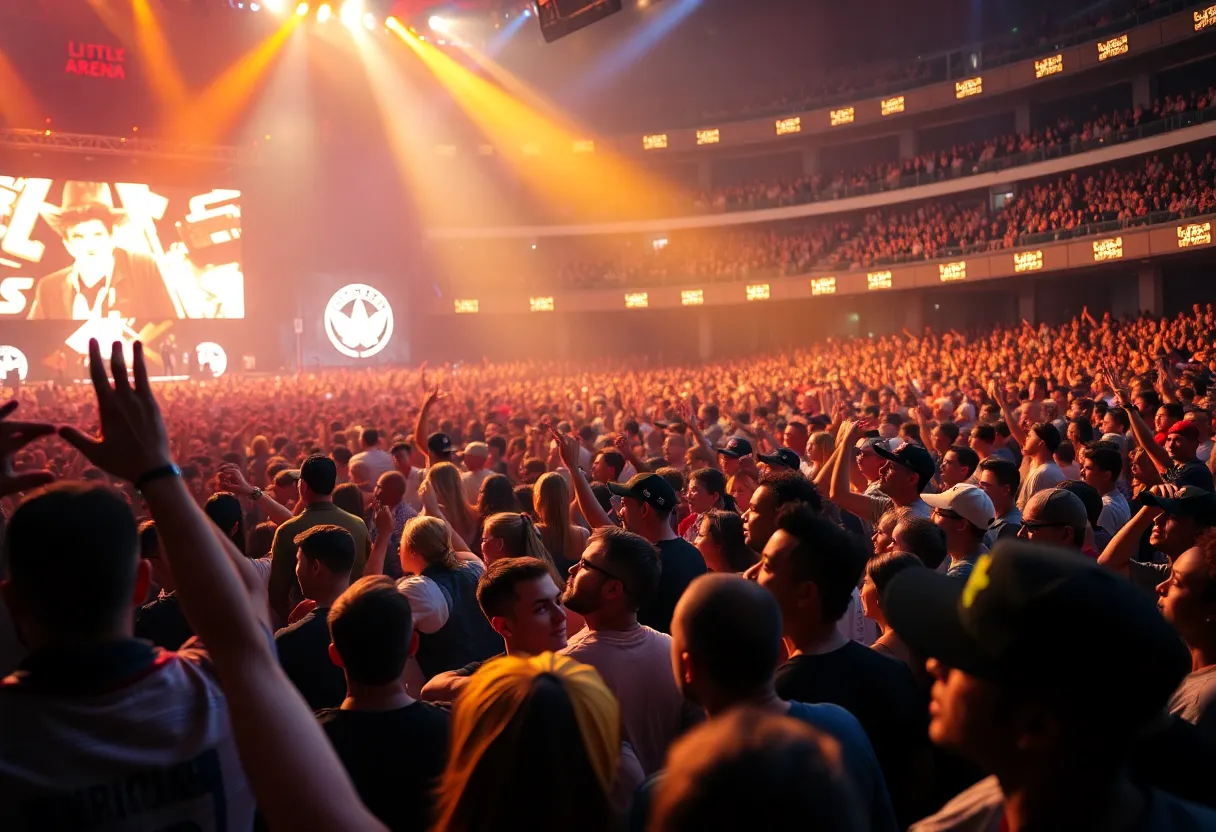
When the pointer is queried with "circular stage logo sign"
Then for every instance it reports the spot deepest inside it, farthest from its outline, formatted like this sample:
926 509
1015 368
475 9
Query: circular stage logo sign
358 321
211 357
11 359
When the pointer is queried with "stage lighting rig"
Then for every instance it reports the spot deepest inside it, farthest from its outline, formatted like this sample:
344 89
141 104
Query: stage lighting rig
559 18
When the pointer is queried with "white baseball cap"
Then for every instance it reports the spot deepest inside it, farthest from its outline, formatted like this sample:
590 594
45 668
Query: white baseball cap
967 501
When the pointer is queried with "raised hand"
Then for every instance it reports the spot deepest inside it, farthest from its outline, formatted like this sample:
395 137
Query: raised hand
13 437
233 480
383 519
568 447
133 439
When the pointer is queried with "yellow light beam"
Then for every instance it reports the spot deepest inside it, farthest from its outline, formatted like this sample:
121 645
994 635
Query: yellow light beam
17 104
582 184
427 183
163 77
208 116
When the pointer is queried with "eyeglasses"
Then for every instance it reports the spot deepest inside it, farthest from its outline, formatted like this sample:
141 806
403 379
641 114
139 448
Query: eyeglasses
1032 527
586 564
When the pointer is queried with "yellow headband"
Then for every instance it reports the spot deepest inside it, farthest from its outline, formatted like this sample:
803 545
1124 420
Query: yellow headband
495 693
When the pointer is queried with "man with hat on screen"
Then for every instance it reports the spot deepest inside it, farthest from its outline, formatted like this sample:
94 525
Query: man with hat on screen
1047 670
903 478
104 280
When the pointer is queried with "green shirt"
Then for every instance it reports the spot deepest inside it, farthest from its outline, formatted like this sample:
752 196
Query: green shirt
283 553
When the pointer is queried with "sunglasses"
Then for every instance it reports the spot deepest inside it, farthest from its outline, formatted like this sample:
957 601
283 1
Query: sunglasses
1030 527
586 564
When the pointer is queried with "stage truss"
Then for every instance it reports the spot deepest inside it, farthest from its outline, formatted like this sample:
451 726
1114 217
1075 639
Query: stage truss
131 147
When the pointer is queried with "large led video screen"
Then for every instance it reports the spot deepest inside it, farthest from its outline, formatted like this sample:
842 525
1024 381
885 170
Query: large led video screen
121 254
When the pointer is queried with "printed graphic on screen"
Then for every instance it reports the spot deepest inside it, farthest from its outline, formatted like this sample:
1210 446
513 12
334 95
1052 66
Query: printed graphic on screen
91 251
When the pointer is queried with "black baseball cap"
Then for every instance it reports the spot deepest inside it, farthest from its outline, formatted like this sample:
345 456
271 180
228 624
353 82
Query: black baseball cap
1026 619
439 443
1189 502
648 488
736 448
911 456
783 457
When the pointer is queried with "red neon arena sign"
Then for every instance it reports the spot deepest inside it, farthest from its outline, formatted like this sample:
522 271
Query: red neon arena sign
96 60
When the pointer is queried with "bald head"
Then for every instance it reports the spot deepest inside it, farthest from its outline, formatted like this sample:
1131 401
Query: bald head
726 631
390 488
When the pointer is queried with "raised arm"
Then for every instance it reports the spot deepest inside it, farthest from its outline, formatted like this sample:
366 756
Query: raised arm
587 504
1123 547
296 776
232 479
1144 434
622 444
1015 429
690 419
841 492
420 423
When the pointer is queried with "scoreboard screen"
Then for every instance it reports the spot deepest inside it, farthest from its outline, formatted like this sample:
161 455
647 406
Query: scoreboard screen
559 18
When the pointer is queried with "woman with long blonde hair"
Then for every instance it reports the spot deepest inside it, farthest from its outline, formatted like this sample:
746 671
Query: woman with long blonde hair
564 540
444 480
522 722
441 584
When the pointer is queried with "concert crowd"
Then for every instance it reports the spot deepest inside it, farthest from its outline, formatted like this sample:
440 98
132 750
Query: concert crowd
942 580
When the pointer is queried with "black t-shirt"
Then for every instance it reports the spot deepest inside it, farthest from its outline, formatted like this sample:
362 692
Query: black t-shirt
162 622
1191 473
394 758
681 563
303 650
881 693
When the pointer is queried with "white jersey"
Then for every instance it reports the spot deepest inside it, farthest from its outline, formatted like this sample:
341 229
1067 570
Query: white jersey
125 736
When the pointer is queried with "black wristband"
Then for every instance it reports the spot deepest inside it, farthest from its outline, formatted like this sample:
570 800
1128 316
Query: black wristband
170 470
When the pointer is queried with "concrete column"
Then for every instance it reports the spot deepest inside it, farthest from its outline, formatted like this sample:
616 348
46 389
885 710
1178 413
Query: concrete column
810 161
1026 310
705 337
1150 290
705 175
1021 118
907 144
914 312
1142 91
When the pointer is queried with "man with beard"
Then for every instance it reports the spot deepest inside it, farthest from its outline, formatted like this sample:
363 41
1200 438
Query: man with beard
617 573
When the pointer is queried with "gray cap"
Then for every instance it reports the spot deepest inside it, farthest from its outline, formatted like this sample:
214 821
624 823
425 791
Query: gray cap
1055 507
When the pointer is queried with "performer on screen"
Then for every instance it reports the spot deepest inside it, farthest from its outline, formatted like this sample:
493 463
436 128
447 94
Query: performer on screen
104 278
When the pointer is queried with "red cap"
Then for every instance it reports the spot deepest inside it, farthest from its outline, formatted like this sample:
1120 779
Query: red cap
1188 429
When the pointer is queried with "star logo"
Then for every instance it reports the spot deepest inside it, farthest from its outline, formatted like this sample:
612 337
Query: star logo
211 356
12 359
978 580
358 321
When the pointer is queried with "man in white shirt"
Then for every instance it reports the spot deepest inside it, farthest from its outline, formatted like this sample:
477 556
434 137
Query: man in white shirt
1203 421
1041 442
1101 465
371 459
402 454
476 454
